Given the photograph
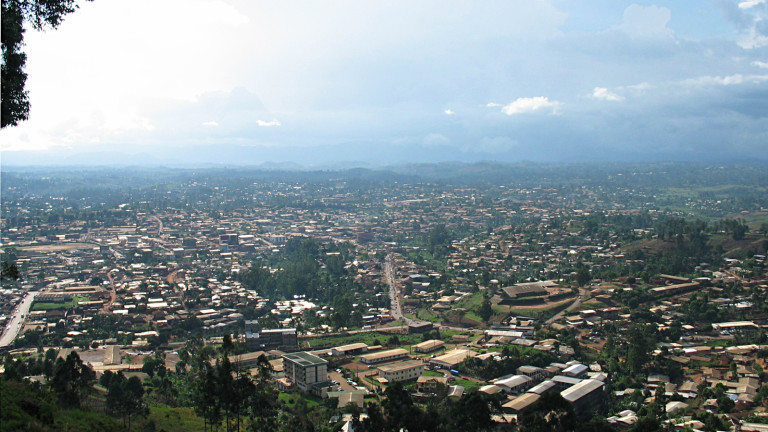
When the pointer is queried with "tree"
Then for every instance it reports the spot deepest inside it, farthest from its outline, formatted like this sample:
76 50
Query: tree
10 270
486 311
71 380
582 274
40 14
125 397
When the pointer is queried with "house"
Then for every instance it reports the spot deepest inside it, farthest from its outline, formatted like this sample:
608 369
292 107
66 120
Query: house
534 372
452 358
515 384
429 346
402 371
430 384
576 370
246 361
521 402
384 356
586 396
351 349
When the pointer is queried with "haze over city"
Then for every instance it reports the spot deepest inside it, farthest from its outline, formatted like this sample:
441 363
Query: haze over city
317 84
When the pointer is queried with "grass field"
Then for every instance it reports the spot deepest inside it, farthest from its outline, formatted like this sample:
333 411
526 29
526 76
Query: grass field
57 247
426 315
542 312
43 306
467 384
181 419
291 399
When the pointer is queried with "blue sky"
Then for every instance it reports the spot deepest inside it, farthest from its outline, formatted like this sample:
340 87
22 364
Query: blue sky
506 80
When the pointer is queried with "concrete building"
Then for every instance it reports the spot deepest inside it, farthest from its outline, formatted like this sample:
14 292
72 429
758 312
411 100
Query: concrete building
576 370
305 369
535 373
246 361
404 371
429 346
520 403
515 384
452 358
384 356
430 384
351 349
586 396
258 339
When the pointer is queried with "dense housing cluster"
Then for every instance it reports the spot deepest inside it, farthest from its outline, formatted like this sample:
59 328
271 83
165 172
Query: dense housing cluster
602 295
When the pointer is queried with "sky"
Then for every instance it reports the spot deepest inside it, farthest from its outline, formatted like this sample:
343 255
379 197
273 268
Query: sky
245 82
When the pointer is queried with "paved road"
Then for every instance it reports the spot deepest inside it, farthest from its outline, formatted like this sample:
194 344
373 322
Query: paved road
17 322
394 300
574 305
159 224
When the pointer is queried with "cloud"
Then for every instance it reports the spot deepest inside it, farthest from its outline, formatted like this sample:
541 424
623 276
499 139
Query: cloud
729 80
449 112
760 64
263 123
602 93
527 105
210 124
646 22
435 139
750 4
493 105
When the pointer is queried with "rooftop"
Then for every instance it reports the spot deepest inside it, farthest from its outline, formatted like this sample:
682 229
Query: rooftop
305 359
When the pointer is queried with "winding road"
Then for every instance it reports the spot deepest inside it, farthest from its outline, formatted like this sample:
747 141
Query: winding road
574 305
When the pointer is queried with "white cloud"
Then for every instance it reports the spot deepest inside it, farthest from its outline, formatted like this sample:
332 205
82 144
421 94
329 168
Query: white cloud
602 93
646 22
527 105
263 123
210 123
493 105
735 79
753 39
449 112
748 4
760 64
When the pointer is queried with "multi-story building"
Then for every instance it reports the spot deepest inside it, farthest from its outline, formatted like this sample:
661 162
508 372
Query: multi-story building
304 369
402 371
282 339
258 339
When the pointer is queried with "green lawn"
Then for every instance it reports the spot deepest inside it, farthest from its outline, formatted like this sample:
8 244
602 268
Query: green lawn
471 302
467 384
181 419
427 315
290 399
543 312
44 306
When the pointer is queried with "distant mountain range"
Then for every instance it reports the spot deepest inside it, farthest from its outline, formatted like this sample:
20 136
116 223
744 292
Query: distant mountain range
340 156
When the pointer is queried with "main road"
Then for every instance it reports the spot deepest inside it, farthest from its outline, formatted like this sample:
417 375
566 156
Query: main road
394 300
20 313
